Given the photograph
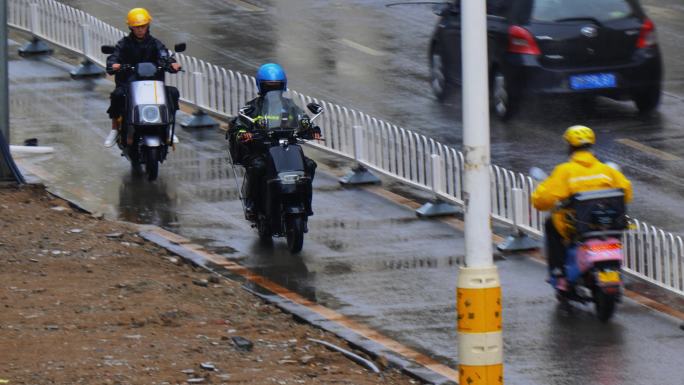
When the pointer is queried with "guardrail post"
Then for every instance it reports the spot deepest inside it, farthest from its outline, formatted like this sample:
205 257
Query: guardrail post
36 46
8 169
518 241
87 69
359 174
200 119
437 207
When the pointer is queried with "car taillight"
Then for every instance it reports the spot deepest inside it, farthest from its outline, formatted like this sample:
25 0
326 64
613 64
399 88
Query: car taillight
521 41
647 35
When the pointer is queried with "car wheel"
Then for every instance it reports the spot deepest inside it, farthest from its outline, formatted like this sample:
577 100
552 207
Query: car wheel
502 98
438 80
647 100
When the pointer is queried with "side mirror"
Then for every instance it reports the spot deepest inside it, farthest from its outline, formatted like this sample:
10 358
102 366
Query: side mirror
245 111
180 47
107 49
314 108
538 174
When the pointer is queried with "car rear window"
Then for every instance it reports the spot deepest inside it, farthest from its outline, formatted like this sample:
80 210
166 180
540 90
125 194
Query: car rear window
568 10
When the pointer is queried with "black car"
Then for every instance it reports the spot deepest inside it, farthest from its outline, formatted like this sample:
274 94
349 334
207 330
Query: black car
555 47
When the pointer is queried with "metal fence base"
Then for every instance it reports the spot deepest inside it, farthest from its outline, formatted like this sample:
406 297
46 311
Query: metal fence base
436 209
35 47
359 175
519 242
87 69
200 119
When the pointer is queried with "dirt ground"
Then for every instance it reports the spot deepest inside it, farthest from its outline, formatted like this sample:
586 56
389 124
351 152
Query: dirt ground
87 301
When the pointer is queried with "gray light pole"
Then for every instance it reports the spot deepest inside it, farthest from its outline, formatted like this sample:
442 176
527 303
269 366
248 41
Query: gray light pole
4 106
478 296
8 170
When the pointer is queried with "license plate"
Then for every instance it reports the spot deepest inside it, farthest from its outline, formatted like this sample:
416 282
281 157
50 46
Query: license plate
609 276
593 81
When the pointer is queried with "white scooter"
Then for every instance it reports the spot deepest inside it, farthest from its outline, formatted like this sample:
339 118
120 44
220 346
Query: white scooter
149 122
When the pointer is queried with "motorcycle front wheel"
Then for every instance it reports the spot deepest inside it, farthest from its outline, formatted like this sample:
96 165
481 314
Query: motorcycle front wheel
152 163
294 229
605 304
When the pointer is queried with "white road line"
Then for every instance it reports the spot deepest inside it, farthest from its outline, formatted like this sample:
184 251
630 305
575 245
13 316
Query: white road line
245 5
649 150
360 47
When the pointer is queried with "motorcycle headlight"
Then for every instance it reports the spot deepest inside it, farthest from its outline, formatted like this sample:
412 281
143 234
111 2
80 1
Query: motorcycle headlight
290 177
150 114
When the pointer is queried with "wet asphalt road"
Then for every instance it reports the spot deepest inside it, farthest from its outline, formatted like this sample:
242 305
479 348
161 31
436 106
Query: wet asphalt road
365 257
372 58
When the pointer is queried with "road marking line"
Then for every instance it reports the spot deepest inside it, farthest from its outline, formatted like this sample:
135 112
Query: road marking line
245 5
647 149
360 47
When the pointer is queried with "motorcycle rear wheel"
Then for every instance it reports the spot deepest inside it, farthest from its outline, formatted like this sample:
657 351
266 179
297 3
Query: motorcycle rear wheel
294 229
605 304
152 163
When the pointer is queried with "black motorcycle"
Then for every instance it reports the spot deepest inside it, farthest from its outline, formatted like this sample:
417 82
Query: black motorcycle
286 187
150 119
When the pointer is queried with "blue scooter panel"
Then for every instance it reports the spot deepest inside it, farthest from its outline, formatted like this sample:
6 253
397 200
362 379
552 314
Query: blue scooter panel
572 270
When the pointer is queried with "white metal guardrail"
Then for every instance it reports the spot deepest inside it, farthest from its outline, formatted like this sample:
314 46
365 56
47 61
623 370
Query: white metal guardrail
651 253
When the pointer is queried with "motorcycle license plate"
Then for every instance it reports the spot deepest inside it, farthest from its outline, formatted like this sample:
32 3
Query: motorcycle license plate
609 276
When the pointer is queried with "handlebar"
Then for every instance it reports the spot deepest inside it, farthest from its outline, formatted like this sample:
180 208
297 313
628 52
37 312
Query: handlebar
292 134
132 68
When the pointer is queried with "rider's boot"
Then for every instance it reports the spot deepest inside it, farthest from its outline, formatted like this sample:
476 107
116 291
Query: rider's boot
250 210
558 280
114 133
250 206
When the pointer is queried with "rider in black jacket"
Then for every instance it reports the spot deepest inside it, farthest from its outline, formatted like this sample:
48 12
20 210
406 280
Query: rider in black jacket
270 77
138 47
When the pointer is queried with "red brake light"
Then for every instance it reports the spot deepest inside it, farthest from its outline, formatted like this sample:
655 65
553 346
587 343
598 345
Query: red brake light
647 35
521 41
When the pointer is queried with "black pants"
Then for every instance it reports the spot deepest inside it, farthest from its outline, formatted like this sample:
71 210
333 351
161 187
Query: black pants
256 171
555 248
118 100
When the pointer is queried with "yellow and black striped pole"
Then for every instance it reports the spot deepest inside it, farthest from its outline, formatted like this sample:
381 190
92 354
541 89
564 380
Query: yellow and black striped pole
480 343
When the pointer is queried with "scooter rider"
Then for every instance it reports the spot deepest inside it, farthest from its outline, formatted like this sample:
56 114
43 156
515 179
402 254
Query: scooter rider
138 47
269 77
582 172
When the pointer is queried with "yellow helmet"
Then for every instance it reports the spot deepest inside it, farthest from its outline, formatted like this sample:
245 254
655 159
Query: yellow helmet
138 17
577 136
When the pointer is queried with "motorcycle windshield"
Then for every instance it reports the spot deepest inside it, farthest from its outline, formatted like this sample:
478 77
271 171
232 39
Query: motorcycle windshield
279 112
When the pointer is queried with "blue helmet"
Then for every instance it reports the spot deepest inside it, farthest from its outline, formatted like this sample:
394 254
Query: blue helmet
271 77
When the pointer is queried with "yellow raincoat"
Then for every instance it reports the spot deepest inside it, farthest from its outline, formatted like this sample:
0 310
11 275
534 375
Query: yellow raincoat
583 172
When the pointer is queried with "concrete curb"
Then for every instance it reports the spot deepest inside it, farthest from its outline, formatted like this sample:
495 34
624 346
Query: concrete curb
422 367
